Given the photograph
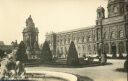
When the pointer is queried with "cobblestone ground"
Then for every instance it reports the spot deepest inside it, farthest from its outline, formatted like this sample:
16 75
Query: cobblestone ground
96 73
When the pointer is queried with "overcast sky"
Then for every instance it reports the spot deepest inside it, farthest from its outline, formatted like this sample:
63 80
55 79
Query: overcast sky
48 15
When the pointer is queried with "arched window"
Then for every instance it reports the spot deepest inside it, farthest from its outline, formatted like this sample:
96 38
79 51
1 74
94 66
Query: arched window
115 9
89 48
68 40
61 41
64 41
78 40
113 35
83 47
82 39
85 39
105 35
89 38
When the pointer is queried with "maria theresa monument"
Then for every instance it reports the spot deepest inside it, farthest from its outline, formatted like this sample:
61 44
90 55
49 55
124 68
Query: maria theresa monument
109 35
30 38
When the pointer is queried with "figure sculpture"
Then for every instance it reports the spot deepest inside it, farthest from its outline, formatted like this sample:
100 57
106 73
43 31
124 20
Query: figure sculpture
12 69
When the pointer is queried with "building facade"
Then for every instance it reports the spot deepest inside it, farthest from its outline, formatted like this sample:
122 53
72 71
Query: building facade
30 38
108 36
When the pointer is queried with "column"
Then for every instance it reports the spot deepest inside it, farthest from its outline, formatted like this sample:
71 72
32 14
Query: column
98 53
117 49
125 47
109 47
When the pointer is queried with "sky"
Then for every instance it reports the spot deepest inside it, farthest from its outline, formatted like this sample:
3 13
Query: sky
48 16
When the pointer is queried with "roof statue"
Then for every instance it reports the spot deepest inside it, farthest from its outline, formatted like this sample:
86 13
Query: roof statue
29 22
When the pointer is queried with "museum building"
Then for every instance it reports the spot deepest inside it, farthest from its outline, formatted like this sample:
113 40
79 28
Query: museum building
108 36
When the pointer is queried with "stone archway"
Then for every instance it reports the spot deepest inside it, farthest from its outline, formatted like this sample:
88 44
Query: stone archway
121 49
113 49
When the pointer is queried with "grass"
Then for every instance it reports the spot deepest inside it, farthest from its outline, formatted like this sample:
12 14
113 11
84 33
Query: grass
61 65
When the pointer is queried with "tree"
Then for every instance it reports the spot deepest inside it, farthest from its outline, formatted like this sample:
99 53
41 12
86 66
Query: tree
126 64
21 53
2 53
72 57
46 54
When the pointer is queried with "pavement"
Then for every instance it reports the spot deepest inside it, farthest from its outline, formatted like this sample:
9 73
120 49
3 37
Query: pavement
95 73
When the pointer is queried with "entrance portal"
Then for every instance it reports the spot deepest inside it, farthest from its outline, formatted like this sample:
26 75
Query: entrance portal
113 50
121 49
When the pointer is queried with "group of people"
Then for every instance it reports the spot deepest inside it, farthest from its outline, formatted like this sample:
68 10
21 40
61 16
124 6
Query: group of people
12 69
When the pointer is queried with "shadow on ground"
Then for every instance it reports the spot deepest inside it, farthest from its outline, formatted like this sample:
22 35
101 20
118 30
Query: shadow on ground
56 65
83 78
38 75
121 70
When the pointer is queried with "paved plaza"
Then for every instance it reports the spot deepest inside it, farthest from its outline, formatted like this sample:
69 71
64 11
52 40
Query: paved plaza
95 73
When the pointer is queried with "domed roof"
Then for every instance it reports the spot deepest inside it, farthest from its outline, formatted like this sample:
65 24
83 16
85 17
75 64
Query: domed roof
29 29
99 9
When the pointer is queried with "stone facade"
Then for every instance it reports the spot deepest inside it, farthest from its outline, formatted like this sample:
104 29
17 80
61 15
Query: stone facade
30 38
109 35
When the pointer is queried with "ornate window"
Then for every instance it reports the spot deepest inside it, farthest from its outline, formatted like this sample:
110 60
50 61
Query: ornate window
94 47
49 42
98 34
82 39
83 47
89 38
89 48
121 34
105 36
68 40
62 50
85 39
60 41
64 41
73 38
113 35
78 40
115 9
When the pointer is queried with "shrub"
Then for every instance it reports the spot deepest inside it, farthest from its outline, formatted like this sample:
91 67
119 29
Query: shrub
21 53
72 57
46 55
2 53
126 64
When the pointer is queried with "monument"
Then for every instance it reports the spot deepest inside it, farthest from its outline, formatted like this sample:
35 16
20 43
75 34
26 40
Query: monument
30 38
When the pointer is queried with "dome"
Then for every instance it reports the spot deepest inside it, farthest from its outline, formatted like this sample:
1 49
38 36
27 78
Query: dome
100 9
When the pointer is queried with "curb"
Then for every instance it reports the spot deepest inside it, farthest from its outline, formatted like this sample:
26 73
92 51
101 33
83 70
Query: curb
65 76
